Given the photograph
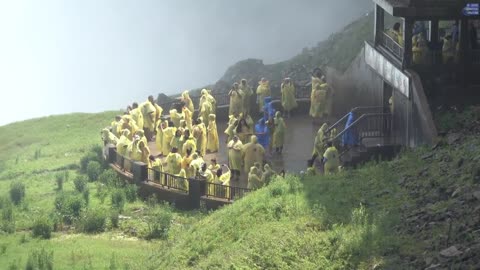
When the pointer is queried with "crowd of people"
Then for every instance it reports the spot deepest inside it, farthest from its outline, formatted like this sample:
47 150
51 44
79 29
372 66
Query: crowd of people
183 142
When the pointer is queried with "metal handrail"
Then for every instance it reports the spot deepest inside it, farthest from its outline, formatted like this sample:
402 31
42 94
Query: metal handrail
356 109
355 124
167 180
389 43
227 192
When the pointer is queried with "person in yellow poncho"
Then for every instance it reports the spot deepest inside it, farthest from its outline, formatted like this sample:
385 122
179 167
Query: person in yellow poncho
182 181
188 101
331 159
129 124
195 164
188 117
157 169
159 137
117 126
252 152
133 152
254 182
177 142
320 141
448 50
108 137
141 135
214 166
243 130
175 117
123 143
235 147
209 177
186 161
247 96
201 129
168 132
419 50
278 133
311 171
188 142
205 110
174 162
236 100
267 174
137 115
263 90
289 101
230 131
207 98
318 102
212 135
145 153
149 113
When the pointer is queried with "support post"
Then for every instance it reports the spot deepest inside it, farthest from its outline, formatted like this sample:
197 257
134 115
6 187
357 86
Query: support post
407 40
463 50
140 172
194 193
434 33
379 24
111 154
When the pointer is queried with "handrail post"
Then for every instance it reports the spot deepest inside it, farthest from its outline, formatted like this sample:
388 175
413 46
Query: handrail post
140 172
194 193
111 154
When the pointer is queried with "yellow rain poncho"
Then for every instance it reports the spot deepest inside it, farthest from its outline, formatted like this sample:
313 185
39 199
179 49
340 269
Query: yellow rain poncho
137 116
207 98
250 124
320 140
279 131
108 137
177 142
210 178
230 131
175 117
205 110
155 174
214 168
252 152
123 143
183 183
212 135
311 171
188 117
168 134
145 153
202 139
158 113
235 155
263 90
267 174
133 152
448 50
149 115
141 134
159 136
129 123
186 161
195 164
189 143
116 127
333 160
236 101
247 97
318 102
254 182
188 101
174 163
289 101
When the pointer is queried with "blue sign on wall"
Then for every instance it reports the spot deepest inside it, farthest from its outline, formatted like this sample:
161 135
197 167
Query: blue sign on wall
471 9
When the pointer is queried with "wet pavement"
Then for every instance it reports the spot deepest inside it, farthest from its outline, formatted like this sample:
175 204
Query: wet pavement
297 150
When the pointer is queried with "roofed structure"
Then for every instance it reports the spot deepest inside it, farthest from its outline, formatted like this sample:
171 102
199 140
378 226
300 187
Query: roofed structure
423 8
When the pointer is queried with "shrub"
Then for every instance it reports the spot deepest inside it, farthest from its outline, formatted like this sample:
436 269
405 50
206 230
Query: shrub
159 221
94 221
86 195
69 207
118 199
90 156
17 192
7 223
75 206
114 218
60 178
80 183
40 260
131 193
110 179
94 169
42 227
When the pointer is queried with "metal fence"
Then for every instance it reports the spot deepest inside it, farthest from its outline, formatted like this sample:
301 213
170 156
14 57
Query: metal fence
124 163
226 192
390 44
168 181
370 125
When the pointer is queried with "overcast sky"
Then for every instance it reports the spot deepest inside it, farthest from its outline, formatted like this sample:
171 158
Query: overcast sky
61 56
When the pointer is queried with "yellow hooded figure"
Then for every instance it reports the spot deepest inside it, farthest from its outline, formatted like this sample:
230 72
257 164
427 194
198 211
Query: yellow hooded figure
188 101
202 139
279 131
263 90
174 163
141 134
129 123
235 147
252 152
267 175
158 113
332 160
156 173
210 178
247 96
123 142
149 115
159 136
236 100
175 117
254 182
117 126
212 134
230 131
188 117
207 98
320 140
182 181
137 116
108 137
133 151
195 164
189 142
318 101
168 133
289 101
145 153
177 141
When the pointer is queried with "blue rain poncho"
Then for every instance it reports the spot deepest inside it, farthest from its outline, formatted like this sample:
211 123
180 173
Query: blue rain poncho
350 137
262 133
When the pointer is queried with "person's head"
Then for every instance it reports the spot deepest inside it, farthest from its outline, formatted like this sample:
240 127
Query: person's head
140 133
174 150
170 124
287 80
235 85
244 82
263 80
213 161
178 133
219 172
186 133
125 132
329 144
204 92
278 114
118 118
141 145
258 165
194 155
235 138
151 99
310 163
135 105
189 152
204 167
198 153
253 170
253 139
396 27
212 117
317 72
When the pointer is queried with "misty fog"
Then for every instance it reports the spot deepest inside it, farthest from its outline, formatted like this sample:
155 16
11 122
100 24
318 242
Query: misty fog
59 56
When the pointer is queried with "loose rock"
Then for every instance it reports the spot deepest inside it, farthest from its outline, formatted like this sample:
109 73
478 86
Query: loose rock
450 252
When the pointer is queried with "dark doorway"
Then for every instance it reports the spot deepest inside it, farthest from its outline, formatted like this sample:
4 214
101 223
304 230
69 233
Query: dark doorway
387 104
387 94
